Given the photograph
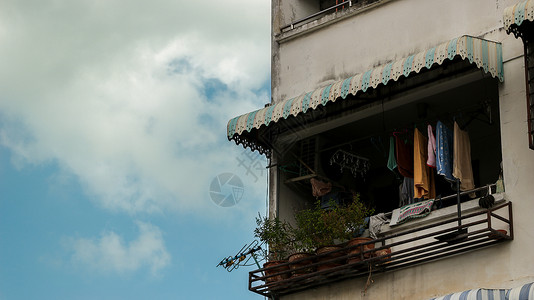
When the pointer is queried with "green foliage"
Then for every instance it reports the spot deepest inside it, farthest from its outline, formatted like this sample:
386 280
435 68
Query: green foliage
277 234
321 227
316 227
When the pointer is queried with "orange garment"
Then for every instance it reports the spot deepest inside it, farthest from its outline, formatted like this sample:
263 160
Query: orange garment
424 184
462 168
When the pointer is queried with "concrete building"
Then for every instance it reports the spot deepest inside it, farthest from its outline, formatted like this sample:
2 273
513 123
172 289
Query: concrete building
348 77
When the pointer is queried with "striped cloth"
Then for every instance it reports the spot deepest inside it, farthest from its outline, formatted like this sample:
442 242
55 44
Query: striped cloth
414 210
524 292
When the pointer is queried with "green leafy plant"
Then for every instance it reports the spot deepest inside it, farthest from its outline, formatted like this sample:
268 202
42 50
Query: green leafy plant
354 215
317 227
277 234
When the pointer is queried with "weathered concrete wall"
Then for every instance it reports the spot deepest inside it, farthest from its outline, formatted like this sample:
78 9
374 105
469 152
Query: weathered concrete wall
391 31
518 159
387 32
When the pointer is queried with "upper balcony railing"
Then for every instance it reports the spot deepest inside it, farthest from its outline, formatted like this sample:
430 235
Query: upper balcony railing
317 14
399 250
342 5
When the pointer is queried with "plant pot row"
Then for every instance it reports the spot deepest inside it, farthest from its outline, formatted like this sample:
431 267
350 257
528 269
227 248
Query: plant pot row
313 227
324 258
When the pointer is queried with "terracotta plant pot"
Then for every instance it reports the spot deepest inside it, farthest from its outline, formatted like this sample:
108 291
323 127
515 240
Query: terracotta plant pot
320 257
276 270
356 251
386 253
496 236
307 259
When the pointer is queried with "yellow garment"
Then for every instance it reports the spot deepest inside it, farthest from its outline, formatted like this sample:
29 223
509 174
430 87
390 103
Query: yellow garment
462 168
424 185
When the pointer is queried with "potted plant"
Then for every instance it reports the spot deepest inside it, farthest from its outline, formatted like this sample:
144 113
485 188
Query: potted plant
317 227
303 246
277 234
355 214
324 229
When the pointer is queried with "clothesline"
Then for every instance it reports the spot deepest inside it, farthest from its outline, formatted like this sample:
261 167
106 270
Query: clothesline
447 118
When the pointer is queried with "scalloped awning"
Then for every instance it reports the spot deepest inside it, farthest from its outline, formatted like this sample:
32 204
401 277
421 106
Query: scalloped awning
515 15
486 55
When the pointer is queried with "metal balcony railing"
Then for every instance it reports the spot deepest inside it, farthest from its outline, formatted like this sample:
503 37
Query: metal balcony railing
317 14
400 250
339 6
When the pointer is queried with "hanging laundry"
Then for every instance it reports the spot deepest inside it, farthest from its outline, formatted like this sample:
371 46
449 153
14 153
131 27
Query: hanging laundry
431 161
424 185
404 157
444 151
406 192
392 162
462 168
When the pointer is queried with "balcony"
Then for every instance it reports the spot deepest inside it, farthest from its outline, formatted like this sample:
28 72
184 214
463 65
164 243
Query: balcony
400 249
328 12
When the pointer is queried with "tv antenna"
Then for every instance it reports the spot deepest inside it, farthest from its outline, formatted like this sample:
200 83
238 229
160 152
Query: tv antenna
243 256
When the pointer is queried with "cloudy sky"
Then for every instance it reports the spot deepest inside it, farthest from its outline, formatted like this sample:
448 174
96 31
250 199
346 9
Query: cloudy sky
112 129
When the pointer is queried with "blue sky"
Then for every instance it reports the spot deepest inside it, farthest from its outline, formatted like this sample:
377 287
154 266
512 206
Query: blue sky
112 127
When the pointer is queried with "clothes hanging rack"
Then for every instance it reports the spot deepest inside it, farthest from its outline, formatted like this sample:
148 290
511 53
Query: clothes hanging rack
356 164
461 234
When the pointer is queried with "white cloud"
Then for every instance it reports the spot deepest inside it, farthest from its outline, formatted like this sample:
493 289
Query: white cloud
115 93
111 254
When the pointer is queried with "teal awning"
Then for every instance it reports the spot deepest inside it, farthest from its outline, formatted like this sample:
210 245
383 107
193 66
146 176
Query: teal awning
486 55
515 15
